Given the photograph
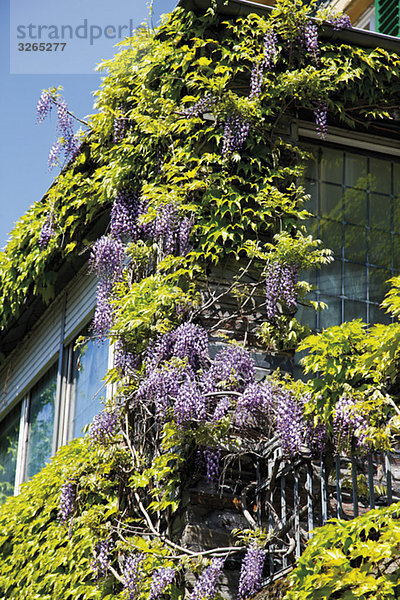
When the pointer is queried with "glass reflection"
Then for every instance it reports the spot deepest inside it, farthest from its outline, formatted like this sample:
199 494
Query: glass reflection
90 362
8 452
358 217
41 423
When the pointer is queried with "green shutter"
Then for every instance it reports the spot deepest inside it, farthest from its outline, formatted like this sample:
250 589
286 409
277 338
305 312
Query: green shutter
387 16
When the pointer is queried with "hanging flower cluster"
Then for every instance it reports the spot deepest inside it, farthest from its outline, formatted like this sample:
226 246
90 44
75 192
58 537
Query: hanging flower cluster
132 575
281 283
349 423
103 427
251 571
101 560
161 579
106 260
47 232
182 383
66 142
204 588
66 506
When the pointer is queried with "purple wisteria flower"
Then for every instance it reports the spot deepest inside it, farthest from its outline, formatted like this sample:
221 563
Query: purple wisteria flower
161 386
270 50
236 132
46 233
256 400
44 106
256 80
101 560
189 404
290 422
340 22
185 229
251 571
65 127
124 215
161 579
188 341
310 33
66 503
321 116
316 437
280 281
349 422
124 361
104 313
205 586
132 575
200 107
107 257
54 154
221 409
212 458
103 427
232 367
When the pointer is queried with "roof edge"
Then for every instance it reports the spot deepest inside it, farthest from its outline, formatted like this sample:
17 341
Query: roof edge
354 36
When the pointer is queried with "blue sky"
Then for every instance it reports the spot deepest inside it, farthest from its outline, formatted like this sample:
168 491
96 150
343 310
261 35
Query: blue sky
25 145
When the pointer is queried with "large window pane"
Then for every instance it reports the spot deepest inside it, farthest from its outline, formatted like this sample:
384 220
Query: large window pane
332 166
355 281
330 279
355 202
380 248
378 285
380 214
358 200
88 390
331 235
41 423
331 315
9 433
331 202
380 178
355 243
356 171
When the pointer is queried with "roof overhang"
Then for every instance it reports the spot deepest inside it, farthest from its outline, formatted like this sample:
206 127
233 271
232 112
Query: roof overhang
354 36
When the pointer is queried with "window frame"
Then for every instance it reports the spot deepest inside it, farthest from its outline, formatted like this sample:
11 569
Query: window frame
372 148
63 360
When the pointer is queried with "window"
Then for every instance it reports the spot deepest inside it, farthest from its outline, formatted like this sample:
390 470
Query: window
89 365
354 198
54 411
8 452
387 16
41 423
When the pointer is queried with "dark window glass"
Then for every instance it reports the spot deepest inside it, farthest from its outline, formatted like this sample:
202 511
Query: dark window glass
90 362
331 201
331 315
9 429
332 166
380 211
355 202
355 281
358 217
41 423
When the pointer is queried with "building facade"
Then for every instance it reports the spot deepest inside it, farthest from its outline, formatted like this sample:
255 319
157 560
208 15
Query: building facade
51 377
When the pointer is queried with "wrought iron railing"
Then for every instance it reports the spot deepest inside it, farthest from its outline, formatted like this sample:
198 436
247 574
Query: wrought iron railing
299 496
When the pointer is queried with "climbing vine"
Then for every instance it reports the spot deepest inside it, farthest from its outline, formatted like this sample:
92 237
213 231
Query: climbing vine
191 160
